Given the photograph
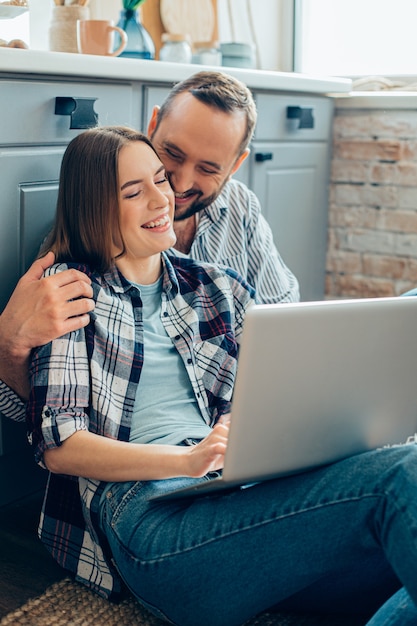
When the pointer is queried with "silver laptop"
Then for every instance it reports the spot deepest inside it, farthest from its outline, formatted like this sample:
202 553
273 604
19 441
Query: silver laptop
317 382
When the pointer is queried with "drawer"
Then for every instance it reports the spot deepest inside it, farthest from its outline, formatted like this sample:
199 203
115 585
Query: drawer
27 109
293 118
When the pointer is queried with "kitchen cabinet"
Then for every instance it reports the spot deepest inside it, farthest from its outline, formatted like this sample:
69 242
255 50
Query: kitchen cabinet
289 172
292 188
46 115
45 99
28 201
42 121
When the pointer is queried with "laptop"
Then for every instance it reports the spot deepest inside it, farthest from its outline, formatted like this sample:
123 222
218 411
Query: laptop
318 382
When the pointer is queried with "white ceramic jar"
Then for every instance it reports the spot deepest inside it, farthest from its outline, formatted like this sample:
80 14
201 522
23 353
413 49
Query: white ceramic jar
63 27
207 53
176 48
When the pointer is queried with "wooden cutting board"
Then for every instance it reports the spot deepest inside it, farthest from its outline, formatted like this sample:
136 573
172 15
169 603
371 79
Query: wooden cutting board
188 17
151 12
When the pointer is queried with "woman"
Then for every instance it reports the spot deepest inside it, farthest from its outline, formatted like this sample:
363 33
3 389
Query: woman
137 402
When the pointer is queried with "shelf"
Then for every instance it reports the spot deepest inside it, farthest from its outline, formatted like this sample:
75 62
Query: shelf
9 11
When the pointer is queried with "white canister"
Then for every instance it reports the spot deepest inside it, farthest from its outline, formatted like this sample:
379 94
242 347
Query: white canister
207 53
235 54
63 27
176 48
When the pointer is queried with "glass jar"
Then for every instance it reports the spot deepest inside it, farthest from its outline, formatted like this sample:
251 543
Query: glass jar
207 53
176 48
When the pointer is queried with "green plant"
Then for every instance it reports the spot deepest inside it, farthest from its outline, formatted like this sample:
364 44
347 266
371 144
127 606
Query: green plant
132 5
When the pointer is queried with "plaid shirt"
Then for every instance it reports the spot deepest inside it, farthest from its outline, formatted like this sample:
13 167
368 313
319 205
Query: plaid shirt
88 380
232 232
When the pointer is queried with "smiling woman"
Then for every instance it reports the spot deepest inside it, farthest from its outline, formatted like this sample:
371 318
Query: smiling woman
104 220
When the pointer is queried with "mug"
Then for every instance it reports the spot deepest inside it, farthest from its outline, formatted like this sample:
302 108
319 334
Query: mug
96 37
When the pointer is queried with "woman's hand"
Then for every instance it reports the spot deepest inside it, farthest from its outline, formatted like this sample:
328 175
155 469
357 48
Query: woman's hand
208 455
101 458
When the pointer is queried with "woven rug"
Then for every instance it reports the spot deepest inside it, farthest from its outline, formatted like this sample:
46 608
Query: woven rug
66 603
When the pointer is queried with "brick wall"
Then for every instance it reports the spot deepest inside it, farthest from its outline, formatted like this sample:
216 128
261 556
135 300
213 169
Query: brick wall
372 236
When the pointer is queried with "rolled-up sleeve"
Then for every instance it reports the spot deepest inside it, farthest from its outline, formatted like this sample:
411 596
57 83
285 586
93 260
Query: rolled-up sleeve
60 392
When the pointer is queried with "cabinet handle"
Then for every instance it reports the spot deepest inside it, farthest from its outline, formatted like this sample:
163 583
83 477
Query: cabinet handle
304 115
81 111
260 157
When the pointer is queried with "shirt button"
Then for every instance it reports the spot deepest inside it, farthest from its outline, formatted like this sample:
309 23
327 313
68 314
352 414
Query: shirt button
189 361
165 313
177 337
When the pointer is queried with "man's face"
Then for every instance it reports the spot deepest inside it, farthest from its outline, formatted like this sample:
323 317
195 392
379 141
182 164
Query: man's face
198 146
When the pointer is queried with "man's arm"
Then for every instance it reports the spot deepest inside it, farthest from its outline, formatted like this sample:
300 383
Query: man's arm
39 310
236 234
267 272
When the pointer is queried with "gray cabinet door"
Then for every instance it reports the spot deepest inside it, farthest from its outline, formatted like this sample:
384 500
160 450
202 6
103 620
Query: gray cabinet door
290 180
29 190
32 143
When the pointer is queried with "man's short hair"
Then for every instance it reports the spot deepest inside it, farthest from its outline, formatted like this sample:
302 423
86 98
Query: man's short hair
220 91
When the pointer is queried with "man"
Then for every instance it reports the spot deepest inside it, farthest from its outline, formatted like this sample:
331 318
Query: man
202 133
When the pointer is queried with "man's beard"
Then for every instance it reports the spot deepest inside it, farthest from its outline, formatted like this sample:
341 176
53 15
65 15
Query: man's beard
199 204
194 208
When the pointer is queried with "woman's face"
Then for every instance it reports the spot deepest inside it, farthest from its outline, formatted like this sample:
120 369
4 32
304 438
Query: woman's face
146 203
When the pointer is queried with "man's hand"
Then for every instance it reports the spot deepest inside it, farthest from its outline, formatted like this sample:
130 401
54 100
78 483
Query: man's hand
40 310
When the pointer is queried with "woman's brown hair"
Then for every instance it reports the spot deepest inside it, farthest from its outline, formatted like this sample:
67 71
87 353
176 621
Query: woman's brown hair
87 212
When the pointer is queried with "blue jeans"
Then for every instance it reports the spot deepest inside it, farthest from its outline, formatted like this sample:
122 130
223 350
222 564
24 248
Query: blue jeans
399 610
335 539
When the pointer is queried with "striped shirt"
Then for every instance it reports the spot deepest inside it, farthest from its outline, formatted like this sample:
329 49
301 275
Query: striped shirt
88 380
10 404
232 231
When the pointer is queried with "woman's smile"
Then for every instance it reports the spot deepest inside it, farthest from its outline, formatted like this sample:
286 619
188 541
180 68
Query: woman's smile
159 223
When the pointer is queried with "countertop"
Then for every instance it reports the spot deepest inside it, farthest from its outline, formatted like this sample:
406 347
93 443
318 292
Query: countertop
400 99
40 63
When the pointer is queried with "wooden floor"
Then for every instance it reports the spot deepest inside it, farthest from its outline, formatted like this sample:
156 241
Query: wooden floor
26 568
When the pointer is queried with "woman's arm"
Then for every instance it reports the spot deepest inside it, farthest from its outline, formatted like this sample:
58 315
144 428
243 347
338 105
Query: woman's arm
94 456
